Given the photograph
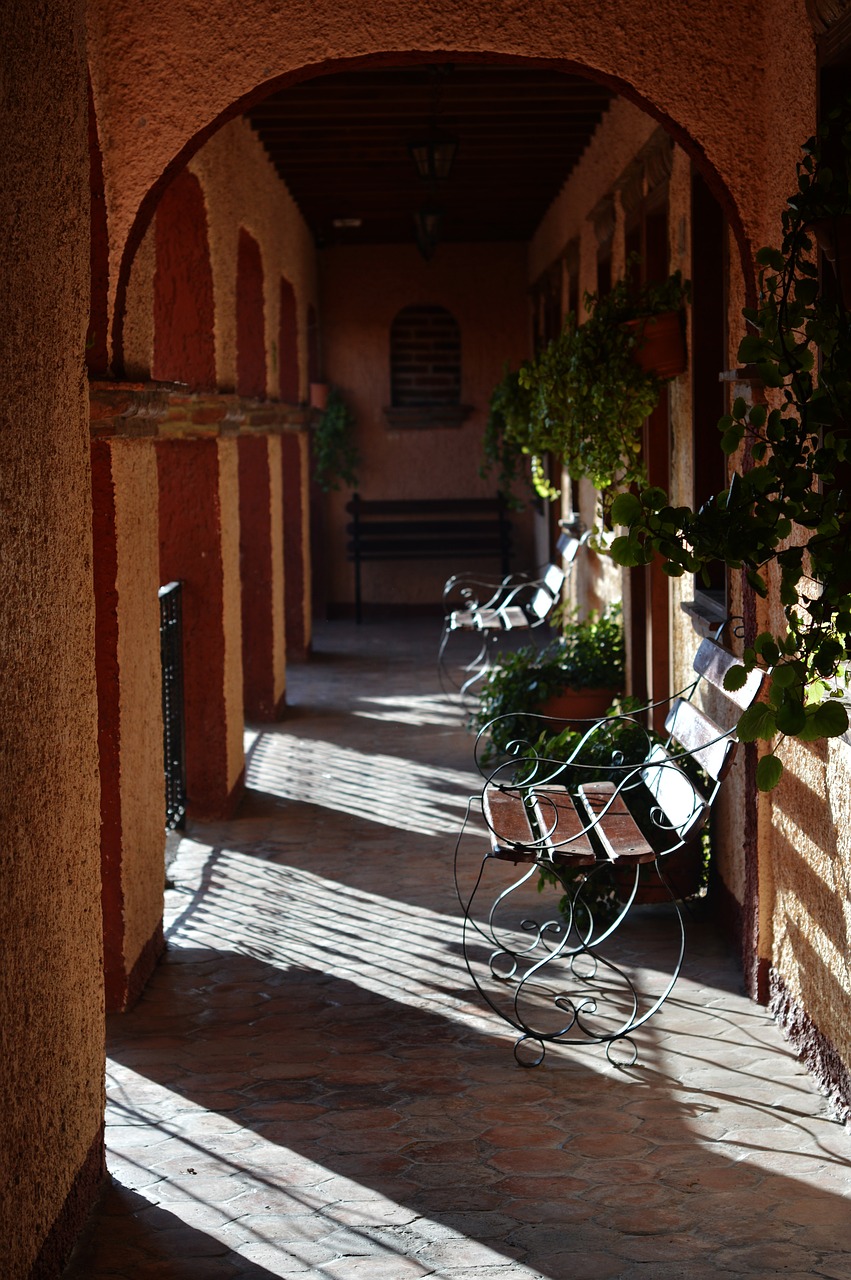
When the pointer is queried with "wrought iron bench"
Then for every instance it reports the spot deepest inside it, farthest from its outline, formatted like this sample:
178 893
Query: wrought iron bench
592 973
492 609
426 529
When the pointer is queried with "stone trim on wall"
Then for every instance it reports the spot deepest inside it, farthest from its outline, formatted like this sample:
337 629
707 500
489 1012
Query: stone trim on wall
135 409
818 1054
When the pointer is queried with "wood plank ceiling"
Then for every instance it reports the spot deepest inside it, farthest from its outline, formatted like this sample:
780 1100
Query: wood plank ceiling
340 143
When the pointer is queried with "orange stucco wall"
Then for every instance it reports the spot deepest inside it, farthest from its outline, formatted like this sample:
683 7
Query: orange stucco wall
142 802
161 79
484 287
51 1000
242 194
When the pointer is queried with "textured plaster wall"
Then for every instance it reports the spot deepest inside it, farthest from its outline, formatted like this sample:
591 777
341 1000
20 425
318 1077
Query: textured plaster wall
161 78
484 287
276 507
184 314
243 190
199 544
139 321
134 469
51 1003
228 506
260 542
295 532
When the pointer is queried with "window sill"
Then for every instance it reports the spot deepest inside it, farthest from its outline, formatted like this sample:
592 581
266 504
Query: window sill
707 614
426 417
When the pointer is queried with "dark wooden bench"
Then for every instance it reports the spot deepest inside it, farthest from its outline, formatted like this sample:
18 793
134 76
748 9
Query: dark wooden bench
563 817
426 529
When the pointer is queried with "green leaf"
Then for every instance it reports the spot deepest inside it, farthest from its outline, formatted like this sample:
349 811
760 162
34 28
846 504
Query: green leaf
772 258
654 499
735 678
830 719
757 582
757 722
768 773
784 676
731 440
626 508
791 717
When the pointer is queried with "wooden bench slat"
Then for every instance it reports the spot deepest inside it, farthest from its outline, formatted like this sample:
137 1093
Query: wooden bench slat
674 792
556 815
510 829
712 663
701 738
617 830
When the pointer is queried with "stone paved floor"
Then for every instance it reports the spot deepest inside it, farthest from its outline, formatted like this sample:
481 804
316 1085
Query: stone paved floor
309 1088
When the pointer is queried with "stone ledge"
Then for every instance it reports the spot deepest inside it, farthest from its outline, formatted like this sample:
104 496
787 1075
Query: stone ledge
165 409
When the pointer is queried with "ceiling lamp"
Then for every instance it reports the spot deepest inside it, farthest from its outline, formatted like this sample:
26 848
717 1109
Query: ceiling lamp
434 155
427 221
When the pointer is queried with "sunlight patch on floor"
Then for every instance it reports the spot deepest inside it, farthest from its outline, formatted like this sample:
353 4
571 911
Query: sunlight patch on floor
291 918
380 788
223 1178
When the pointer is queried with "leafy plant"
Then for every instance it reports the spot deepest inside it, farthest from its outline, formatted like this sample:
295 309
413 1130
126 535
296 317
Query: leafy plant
336 455
506 430
788 510
586 396
589 654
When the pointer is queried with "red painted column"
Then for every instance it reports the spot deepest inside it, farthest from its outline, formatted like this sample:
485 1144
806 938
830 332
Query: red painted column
263 701
105 571
294 456
192 550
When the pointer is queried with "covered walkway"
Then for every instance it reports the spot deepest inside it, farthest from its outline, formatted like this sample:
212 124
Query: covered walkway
307 1086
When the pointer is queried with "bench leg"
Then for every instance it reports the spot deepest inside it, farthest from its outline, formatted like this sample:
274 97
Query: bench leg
568 977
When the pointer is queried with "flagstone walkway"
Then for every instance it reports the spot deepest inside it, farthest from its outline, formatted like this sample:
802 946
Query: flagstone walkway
309 1086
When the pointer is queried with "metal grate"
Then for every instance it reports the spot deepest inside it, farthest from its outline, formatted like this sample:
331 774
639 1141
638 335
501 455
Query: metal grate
174 733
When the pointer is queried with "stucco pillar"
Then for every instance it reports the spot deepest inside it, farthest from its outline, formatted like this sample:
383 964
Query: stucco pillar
199 546
295 455
262 568
130 731
51 987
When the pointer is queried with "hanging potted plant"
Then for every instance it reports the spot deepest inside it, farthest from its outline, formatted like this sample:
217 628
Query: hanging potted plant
590 390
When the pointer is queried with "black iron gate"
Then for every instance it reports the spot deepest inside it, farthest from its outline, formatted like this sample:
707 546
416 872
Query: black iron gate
174 736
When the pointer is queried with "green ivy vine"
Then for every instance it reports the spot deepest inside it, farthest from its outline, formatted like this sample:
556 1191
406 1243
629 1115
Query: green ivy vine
786 516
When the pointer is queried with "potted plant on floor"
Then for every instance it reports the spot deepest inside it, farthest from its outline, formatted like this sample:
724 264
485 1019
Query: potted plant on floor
576 677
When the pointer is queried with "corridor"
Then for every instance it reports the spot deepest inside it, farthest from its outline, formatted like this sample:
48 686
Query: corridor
308 1086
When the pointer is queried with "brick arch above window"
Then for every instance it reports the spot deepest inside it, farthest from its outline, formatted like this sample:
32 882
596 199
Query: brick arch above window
425 368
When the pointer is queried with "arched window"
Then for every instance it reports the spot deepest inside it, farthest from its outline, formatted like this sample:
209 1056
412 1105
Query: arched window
425 358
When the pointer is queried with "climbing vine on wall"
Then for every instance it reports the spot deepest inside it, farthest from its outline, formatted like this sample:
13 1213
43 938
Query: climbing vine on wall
785 519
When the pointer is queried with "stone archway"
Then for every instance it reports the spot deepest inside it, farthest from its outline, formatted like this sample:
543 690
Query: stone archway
179 83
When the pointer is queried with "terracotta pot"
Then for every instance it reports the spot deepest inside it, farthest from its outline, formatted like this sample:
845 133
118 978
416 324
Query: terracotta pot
661 345
579 704
319 395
